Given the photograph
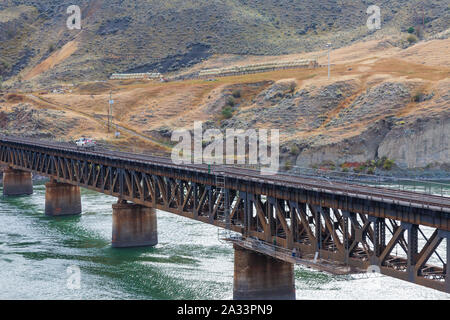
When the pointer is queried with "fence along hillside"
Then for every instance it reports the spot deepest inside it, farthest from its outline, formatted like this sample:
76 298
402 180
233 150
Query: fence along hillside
262 67
127 76
221 72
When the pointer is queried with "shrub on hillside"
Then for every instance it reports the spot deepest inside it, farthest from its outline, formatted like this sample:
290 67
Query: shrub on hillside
5 67
288 165
295 150
388 164
292 87
227 112
412 39
418 97
231 102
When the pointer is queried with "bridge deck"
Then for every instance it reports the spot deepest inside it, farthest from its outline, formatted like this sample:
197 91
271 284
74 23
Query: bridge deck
347 223
405 197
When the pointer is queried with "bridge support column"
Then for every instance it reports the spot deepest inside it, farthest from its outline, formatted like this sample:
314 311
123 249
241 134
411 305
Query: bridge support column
133 225
62 199
260 277
17 182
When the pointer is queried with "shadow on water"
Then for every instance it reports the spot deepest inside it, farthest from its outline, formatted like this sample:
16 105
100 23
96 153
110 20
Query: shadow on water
312 279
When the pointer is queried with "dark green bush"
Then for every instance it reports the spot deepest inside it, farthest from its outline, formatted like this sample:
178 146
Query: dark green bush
418 97
227 112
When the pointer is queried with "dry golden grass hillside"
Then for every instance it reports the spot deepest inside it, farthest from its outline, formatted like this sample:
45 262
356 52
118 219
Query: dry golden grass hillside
376 88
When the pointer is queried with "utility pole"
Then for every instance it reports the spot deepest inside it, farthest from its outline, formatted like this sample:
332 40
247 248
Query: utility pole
423 22
329 62
111 102
109 108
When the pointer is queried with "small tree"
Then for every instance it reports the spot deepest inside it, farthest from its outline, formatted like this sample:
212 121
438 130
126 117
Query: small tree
411 30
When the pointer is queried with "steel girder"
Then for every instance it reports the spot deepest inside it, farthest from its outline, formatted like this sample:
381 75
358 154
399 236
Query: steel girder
307 221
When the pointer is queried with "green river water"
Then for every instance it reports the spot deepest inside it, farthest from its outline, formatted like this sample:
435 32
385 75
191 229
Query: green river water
188 263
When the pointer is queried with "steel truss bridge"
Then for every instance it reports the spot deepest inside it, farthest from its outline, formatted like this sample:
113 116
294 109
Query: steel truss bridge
405 234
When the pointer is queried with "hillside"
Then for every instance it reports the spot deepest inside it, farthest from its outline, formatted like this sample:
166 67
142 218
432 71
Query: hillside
382 102
168 36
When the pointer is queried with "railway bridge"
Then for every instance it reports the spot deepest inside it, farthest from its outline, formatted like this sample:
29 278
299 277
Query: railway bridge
281 219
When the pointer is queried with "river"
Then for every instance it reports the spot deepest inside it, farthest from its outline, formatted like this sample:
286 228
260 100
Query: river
37 254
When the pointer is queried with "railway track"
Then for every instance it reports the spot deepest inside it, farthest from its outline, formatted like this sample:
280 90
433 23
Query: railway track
415 199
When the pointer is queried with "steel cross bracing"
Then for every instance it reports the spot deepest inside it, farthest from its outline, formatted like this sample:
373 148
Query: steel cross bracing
405 234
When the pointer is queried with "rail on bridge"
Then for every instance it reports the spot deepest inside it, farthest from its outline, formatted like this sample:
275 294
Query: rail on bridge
402 234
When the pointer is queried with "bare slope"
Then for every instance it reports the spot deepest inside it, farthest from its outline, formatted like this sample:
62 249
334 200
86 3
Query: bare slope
166 36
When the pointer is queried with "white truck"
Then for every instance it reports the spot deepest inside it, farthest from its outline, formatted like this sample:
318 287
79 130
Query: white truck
85 143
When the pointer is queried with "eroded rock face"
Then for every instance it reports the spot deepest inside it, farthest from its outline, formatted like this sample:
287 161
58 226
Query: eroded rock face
359 148
417 140
419 144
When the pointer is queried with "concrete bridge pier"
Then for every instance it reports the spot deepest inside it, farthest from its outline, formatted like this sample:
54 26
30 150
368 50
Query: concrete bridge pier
133 225
17 182
260 277
62 199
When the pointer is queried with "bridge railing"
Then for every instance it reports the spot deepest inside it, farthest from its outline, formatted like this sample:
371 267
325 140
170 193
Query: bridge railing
425 186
